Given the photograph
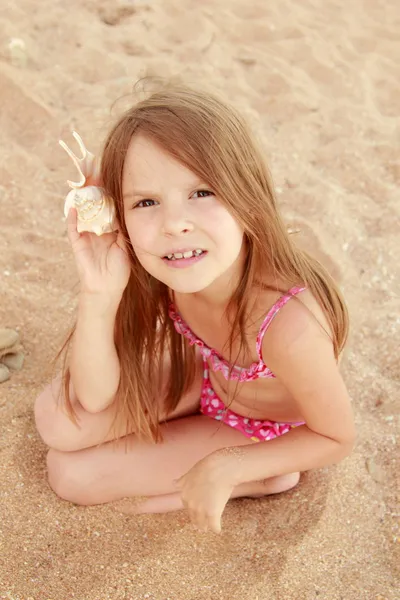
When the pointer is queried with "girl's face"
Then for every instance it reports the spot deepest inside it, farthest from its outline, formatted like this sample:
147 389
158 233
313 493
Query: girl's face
169 212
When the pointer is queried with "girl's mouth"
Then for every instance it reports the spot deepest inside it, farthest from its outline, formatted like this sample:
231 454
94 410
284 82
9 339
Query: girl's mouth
185 259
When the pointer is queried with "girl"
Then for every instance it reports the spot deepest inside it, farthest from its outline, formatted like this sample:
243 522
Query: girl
201 327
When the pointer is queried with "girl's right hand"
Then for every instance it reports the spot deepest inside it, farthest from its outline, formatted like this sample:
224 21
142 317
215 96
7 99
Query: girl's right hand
102 261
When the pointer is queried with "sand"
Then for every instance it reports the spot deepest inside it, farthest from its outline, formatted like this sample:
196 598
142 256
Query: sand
318 82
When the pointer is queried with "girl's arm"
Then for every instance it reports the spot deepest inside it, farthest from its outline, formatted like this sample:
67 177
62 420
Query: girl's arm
94 363
300 354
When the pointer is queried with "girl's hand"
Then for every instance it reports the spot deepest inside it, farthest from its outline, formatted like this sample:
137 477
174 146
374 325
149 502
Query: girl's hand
205 491
102 261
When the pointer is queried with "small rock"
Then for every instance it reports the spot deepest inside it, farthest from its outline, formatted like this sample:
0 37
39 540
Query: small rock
13 361
18 54
8 337
113 15
4 373
247 60
10 349
374 470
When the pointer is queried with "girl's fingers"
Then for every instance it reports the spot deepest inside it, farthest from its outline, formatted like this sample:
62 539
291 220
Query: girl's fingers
171 502
72 220
214 523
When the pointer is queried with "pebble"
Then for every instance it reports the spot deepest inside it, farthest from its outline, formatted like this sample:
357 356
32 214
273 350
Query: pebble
247 60
4 373
13 361
18 54
376 472
8 337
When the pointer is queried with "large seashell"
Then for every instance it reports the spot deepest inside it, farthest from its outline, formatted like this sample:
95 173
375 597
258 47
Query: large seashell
96 211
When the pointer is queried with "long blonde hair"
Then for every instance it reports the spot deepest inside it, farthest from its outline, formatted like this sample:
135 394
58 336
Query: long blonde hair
208 137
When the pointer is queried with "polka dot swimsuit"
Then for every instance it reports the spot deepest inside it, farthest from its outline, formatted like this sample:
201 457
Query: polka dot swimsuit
211 405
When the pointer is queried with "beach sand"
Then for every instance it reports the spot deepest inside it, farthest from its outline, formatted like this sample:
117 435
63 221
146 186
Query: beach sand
318 82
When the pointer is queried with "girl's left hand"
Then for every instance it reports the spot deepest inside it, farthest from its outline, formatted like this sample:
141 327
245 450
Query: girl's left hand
204 491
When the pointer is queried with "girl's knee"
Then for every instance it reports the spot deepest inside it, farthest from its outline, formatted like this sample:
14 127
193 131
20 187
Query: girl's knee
65 477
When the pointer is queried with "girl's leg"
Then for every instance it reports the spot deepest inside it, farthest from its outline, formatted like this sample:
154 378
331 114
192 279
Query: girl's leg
58 431
109 472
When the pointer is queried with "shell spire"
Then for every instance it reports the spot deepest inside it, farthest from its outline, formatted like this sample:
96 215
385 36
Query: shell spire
86 165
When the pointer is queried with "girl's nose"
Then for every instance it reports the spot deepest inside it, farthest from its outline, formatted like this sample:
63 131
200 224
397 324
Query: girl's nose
176 221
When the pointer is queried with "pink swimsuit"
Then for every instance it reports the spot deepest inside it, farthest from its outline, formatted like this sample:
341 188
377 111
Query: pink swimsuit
210 403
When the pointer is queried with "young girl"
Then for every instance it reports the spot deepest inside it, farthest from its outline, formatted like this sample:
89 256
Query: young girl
204 338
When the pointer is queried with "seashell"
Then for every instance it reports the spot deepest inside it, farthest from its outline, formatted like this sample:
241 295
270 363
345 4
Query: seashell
95 213
95 210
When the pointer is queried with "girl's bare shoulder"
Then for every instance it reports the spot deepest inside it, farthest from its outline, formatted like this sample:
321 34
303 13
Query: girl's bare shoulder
301 311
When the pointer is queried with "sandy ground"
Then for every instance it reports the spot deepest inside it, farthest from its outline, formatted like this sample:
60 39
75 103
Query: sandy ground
318 81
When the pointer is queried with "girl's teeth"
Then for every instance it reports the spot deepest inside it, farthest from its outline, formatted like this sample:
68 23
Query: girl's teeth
187 254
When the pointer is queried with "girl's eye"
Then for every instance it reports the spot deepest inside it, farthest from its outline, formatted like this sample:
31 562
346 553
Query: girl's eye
144 203
204 193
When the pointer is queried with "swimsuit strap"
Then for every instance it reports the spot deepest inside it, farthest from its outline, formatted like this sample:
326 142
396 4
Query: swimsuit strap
272 313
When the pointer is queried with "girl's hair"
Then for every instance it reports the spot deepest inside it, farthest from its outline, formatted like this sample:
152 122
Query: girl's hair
208 137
